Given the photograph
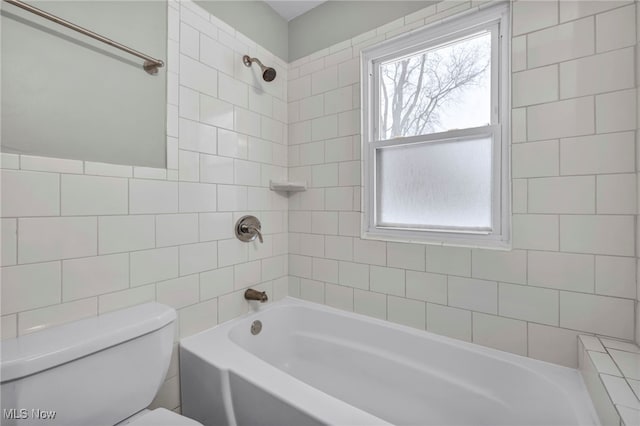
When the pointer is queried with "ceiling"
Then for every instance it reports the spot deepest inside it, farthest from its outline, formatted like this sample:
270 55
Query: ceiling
292 8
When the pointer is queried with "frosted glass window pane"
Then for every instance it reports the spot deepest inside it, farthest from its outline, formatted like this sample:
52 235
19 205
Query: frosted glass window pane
435 185
439 89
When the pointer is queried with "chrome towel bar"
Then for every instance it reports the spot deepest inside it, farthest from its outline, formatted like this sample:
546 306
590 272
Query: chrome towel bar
150 65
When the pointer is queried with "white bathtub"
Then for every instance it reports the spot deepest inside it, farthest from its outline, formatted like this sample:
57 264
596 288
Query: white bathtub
314 365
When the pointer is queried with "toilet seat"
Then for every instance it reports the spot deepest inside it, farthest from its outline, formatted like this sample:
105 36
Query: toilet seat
163 417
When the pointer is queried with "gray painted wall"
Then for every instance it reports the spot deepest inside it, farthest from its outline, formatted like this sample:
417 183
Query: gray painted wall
254 19
336 21
65 95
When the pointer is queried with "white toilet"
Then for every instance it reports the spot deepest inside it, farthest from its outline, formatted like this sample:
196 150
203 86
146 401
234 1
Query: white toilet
98 371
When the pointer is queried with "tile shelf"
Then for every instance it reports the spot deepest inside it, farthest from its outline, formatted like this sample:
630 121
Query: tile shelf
284 186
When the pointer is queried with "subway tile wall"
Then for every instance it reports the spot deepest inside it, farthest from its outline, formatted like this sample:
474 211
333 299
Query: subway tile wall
80 239
572 268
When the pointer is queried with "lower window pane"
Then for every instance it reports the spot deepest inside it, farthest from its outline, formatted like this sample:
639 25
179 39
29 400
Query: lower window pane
436 185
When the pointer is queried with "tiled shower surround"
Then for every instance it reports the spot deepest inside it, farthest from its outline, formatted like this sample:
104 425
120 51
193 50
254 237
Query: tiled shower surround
82 238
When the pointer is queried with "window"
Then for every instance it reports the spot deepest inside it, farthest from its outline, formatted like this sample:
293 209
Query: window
435 133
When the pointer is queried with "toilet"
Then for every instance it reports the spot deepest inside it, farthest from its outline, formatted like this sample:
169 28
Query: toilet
100 371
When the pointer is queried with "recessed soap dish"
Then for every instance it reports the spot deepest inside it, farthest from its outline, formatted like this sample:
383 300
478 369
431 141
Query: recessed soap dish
283 186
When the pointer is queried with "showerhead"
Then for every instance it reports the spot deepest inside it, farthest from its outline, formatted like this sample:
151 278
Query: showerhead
268 73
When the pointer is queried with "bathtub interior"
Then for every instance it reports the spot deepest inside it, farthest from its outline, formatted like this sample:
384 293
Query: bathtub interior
402 377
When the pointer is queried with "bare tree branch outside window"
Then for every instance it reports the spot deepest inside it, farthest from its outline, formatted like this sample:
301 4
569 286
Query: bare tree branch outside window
418 92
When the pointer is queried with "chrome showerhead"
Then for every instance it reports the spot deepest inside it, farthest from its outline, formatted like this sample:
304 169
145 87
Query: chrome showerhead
268 73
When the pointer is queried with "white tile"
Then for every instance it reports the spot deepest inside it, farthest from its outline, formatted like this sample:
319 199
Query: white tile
553 344
509 266
198 257
188 165
168 395
562 195
609 153
616 29
324 127
349 123
152 196
528 303
126 298
105 169
616 111
563 271
426 286
338 100
535 159
43 239
560 43
601 73
371 252
198 317
300 266
407 312
341 198
339 149
216 55
125 233
150 172
196 136
312 153
232 198
92 276
312 291
535 86
216 282
39 319
154 265
197 76
299 88
620 391
189 107
311 107
449 260
607 315
572 117
354 275
324 223
349 224
349 72
232 144
369 303
591 343
518 53
532 15
189 40
260 150
30 286
179 292
46 164
572 10
9 235
215 112
311 245
474 295
406 256
449 322
519 195
629 416
93 195
339 297
325 175
246 173
325 270
197 197
604 363
387 280
617 344
597 234
616 194
518 125
324 80
246 122
264 104
273 268
9 161
233 91
339 248
215 226
175 229
536 232
231 252
628 362
30 193
500 333
247 274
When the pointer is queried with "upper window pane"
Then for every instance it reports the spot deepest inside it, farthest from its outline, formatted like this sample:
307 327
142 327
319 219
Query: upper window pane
438 89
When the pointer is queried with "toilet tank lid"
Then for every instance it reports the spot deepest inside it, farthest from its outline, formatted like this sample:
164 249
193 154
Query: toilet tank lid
32 353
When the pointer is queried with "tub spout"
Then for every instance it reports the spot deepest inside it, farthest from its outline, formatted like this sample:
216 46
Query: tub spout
252 294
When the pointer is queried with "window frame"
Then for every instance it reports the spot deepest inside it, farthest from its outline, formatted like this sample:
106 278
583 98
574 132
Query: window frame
494 18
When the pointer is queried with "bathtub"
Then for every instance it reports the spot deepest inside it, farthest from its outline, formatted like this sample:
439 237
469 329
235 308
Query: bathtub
314 365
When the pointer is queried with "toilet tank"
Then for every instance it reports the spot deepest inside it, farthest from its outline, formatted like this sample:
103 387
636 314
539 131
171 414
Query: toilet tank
92 372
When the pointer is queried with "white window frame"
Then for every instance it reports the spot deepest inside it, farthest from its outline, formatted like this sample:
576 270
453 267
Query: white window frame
495 18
